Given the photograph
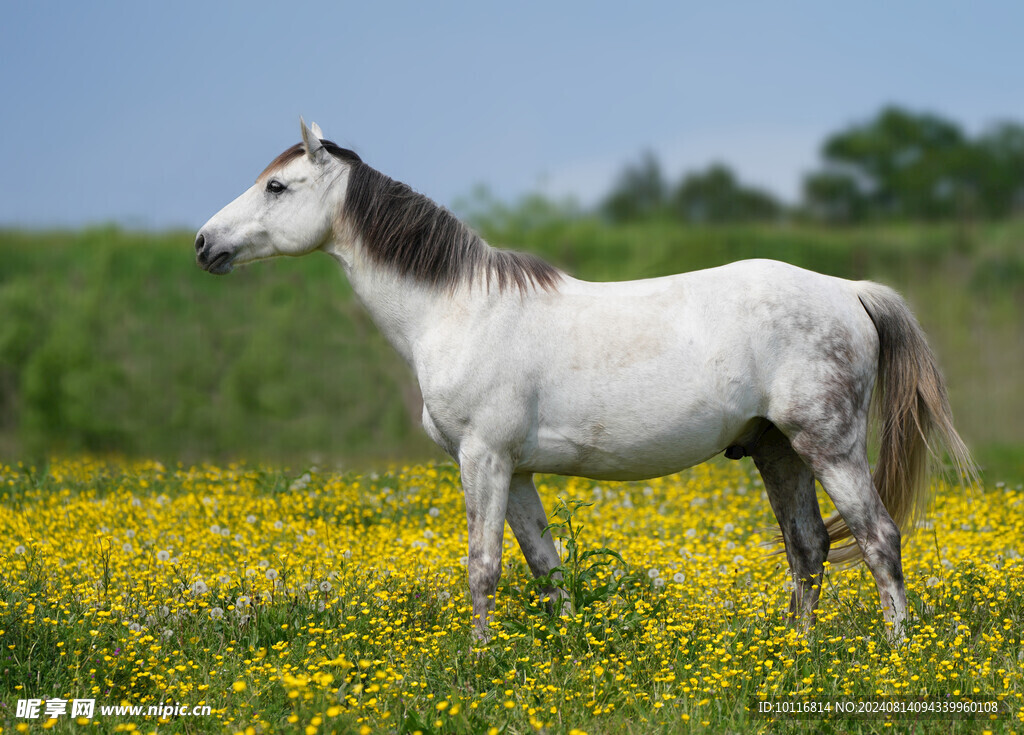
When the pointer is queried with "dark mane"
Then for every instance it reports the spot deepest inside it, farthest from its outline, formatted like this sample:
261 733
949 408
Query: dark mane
406 231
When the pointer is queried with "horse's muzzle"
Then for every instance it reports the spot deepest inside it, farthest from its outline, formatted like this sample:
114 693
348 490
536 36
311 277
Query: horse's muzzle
209 259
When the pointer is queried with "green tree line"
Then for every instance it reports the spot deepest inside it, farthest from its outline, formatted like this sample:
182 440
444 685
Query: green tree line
898 165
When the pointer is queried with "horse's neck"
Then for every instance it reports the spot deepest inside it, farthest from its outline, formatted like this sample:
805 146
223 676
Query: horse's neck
400 308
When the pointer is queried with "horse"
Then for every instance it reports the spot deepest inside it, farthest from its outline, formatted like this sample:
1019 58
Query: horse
525 369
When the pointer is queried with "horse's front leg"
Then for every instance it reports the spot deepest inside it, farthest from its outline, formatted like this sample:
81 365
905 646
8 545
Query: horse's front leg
485 482
528 520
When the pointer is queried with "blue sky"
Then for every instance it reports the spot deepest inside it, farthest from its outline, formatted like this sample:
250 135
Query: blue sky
157 114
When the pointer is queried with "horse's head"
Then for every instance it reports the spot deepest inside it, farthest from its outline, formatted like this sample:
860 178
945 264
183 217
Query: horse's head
290 210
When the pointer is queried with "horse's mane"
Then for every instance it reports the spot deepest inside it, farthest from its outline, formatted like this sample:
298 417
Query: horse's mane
407 232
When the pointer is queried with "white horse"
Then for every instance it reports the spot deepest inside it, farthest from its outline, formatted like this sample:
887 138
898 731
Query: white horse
525 369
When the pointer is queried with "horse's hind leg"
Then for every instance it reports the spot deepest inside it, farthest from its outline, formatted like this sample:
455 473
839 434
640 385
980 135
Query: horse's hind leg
789 484
835 450
847 480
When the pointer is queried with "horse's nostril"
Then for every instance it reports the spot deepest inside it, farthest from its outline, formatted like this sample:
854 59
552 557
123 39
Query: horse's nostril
200 241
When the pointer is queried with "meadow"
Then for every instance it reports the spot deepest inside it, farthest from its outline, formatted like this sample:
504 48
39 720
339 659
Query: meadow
315 600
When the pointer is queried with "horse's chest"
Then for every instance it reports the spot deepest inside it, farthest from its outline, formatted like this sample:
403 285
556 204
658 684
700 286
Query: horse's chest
443 438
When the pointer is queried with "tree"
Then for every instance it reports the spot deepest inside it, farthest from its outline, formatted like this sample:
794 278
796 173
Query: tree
999 169
639 191
834 196
714 195
900 164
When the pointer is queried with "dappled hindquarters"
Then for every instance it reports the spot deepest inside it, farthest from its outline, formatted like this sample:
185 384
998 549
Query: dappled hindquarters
317 600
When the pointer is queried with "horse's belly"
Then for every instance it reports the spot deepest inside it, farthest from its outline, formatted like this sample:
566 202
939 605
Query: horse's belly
606 459
633 448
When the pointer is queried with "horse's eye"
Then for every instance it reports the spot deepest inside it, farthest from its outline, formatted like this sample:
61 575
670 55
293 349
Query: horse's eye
275 187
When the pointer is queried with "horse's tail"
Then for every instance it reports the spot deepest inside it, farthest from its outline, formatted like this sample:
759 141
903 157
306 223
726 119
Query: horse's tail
911 405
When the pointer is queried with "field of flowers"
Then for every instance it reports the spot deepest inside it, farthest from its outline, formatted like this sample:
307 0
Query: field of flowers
320 601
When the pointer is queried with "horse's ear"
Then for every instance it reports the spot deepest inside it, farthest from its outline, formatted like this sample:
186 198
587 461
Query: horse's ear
317 131
314 148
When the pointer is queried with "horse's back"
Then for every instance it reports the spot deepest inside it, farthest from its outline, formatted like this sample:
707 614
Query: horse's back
763 306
